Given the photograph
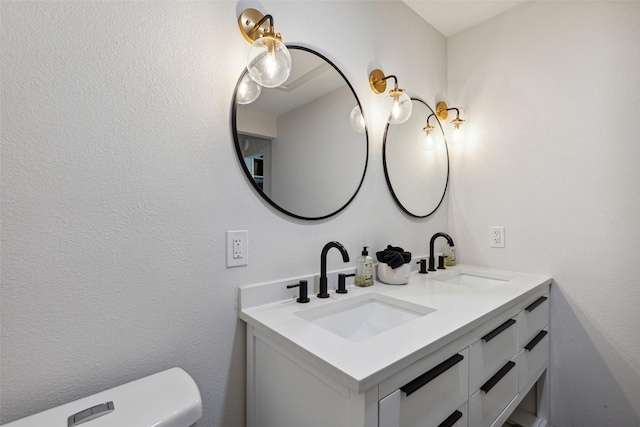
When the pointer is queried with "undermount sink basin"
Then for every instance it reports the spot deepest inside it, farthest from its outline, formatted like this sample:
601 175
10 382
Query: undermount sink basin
358 318
472 279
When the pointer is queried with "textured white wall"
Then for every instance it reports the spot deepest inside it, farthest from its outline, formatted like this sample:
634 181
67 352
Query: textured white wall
119 180
551 93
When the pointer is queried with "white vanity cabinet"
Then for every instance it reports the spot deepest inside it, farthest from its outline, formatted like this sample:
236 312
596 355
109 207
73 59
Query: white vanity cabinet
516 359
481 374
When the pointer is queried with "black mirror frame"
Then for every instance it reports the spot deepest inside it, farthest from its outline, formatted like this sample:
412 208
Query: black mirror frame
234 131
388 179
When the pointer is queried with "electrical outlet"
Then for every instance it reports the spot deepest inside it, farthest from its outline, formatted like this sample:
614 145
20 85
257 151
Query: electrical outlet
237 248
496 237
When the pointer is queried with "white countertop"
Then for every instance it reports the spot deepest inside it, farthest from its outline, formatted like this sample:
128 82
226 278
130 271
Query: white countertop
270 308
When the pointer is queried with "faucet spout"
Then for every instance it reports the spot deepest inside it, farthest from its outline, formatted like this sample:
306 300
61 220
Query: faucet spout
432 261
323 265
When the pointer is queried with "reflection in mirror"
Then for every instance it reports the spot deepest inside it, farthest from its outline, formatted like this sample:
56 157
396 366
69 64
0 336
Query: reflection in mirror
416 164
296 143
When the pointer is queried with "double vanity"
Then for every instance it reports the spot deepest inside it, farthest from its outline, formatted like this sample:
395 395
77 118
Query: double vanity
465 346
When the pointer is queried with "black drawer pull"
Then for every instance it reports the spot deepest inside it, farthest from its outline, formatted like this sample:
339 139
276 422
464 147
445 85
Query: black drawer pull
497 377
425 378
535 340
536 303
497 331
453 418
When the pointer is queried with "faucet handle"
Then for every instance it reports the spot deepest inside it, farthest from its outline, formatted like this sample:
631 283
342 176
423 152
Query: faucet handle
342 286
303 291
423 266
441 262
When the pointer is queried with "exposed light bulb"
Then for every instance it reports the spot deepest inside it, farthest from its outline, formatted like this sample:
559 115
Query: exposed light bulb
428 142
396 110
269 61
401 106
458 133
271 65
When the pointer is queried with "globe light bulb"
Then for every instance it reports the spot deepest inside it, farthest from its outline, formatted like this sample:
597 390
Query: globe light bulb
248 90
458 133
269 61
399 106
427 141
357 120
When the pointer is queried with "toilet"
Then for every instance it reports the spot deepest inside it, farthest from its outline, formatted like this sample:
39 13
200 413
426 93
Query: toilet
167 399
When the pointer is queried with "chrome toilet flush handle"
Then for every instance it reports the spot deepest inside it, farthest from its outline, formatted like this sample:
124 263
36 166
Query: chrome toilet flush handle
90 414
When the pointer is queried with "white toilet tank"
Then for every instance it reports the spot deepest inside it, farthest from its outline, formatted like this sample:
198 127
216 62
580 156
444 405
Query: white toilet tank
167 399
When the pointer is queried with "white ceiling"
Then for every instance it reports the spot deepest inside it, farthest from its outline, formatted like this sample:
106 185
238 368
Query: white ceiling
452 16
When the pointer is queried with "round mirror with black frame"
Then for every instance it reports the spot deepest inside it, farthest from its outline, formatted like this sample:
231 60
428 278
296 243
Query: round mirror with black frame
416 161
296 143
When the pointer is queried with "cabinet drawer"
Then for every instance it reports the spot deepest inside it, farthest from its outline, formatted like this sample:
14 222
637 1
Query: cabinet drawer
459 418
491 352
431 398
533 319
533 358
390 415
487 403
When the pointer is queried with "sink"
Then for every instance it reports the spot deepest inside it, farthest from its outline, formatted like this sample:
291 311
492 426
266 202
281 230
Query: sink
472 279
362 317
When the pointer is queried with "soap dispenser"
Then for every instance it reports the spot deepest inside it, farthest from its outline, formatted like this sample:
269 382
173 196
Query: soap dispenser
449 255
364 269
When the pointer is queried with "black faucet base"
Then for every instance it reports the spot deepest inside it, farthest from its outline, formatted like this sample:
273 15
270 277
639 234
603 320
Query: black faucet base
303 298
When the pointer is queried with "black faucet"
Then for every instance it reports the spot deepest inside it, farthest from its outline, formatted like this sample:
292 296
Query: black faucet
432 261
323 265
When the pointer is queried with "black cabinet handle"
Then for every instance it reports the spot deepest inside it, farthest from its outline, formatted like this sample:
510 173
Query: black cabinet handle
430 375
451 420
497 377
536 303
535 340
497 331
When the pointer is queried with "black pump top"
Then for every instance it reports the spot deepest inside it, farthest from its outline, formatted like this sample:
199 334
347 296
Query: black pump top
365 251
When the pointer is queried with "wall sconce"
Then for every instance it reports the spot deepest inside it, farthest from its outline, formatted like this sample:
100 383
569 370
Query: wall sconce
442 112
398 103
429 142
269 60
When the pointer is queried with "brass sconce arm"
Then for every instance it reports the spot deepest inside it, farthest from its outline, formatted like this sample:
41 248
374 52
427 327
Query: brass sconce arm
252 25
429 127
265 32
378 81
442 112
398 104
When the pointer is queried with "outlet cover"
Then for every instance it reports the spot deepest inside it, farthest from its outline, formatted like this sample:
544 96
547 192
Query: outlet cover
237 248
496 236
